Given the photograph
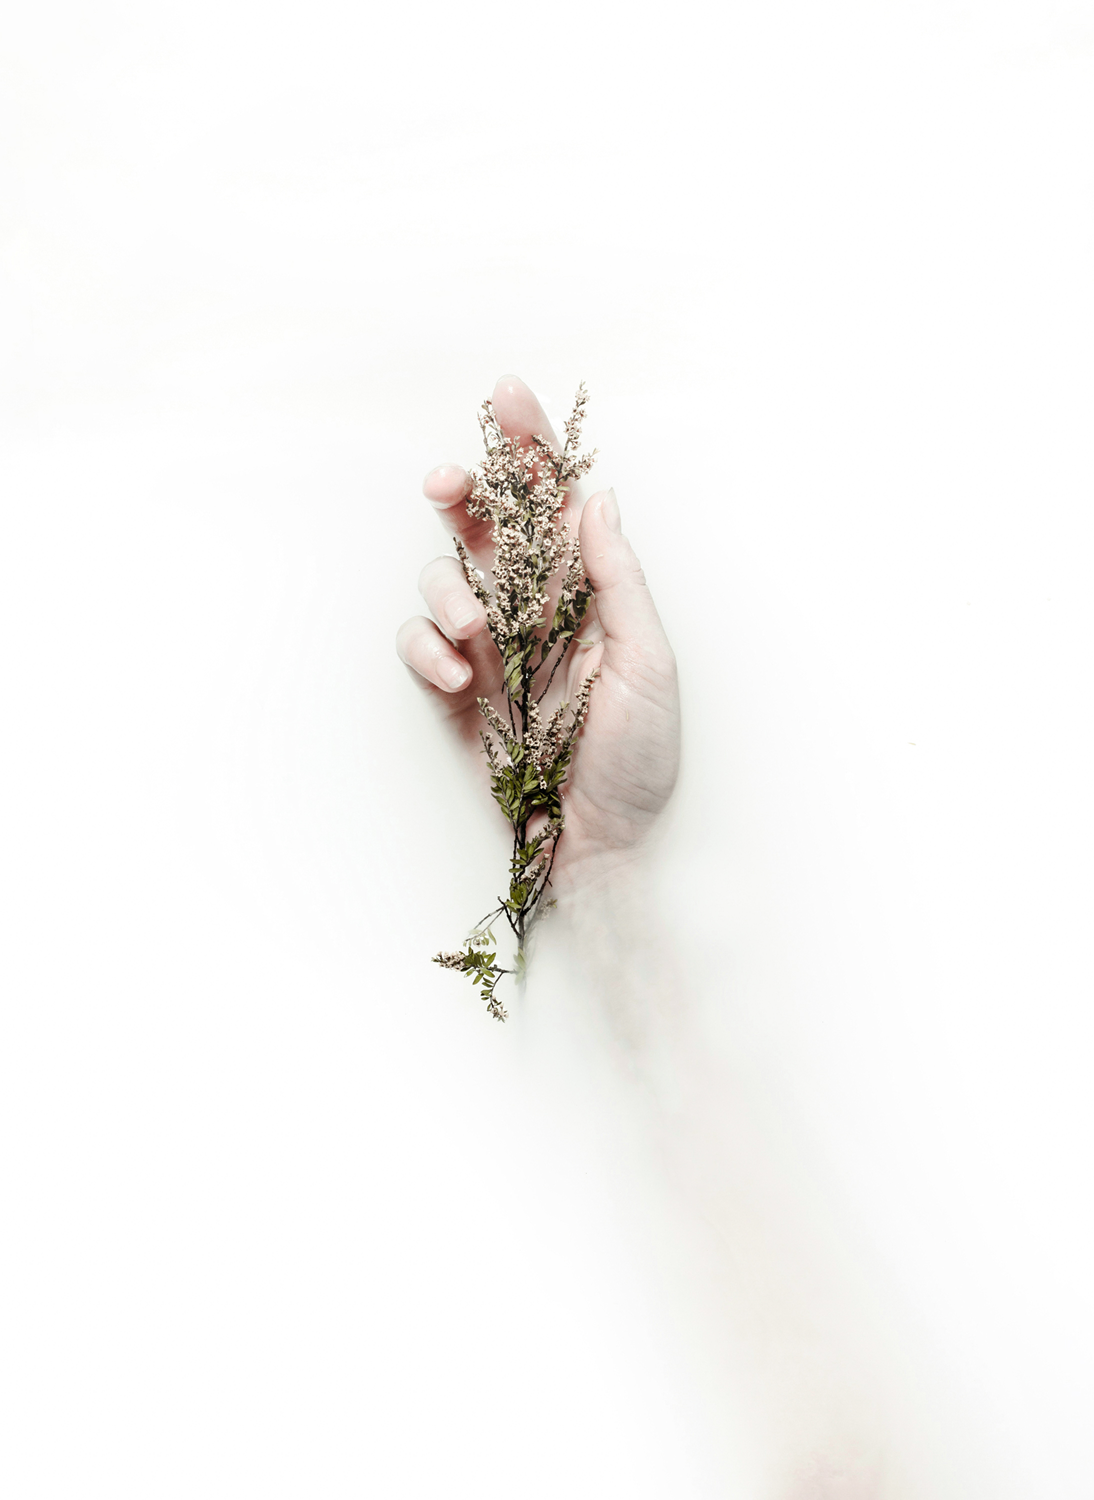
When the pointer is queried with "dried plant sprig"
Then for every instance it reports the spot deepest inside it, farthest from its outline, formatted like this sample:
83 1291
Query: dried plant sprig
521 491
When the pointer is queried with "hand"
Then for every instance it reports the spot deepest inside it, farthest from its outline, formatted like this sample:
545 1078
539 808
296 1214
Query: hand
627 758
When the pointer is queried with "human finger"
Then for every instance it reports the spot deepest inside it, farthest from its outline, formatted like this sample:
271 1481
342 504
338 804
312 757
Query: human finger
447 488
624 604
429 653
445 589
520 414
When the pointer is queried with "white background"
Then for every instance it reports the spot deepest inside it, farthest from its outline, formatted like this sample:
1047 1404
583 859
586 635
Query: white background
282 1216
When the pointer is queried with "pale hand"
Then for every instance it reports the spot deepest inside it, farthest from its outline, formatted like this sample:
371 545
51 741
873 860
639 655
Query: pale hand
627 756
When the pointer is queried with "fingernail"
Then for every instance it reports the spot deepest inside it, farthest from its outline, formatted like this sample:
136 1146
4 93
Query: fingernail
453 673
467 616
444 475
609 510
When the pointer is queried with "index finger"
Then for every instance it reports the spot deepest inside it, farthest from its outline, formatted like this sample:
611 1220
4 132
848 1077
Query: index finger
446 488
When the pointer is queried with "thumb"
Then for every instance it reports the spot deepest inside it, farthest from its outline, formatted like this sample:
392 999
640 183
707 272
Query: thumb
624 603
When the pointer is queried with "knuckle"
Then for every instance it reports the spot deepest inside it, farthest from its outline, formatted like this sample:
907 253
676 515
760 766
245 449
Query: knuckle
402 639
433 573
409 638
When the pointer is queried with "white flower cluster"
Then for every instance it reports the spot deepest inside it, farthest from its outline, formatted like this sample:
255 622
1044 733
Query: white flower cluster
543 743
521 491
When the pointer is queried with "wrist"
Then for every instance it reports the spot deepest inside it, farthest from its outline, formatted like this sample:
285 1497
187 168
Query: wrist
598 876
604 906
604 943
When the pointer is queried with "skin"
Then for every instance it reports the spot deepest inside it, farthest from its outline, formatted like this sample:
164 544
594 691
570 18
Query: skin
627 759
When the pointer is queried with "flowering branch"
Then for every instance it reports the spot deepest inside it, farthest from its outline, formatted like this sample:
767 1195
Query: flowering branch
520 491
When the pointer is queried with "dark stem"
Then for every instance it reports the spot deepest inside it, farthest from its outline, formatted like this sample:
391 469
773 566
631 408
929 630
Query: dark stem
558 662
547 876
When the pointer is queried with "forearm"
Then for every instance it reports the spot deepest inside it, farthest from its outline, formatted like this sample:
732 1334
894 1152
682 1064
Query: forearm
607 936
775 1280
